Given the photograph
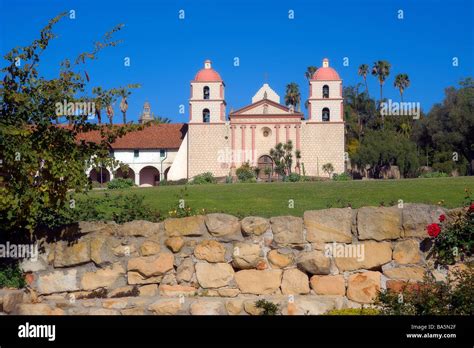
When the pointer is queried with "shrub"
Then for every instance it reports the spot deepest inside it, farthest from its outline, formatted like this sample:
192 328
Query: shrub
245 173
119 208
354 311
120 183
293 177
204 178
269 308
341 177
434 175
453 297
11 276
453 237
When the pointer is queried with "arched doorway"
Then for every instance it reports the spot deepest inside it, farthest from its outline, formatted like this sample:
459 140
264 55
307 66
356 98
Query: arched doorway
126 174
264 162
149 176
100 175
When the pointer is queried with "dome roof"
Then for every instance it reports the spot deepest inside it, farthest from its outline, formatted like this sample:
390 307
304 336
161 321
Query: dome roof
207 74
326 73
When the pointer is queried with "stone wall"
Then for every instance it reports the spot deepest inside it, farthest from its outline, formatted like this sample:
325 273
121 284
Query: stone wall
218 264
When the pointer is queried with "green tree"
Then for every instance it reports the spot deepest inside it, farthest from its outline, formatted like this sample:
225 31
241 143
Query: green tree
382 148
310 70
363 70
42 162
328 168
402 82
445 134
282 156
292 96
381 70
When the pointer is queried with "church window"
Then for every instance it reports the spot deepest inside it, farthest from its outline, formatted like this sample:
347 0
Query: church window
266 131
206 92
206 116
325 114
325 91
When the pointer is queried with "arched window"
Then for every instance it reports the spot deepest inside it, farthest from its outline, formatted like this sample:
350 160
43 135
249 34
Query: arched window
205 92
325 114
206 116
325 91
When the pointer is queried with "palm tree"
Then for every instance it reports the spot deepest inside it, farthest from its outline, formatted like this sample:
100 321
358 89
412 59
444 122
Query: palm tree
124 103
310 70
298 158
363 69
98 103
110 113
293 96
401 82
159 120
381 69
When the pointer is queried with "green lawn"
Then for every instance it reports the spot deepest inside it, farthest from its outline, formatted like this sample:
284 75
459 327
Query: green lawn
272 199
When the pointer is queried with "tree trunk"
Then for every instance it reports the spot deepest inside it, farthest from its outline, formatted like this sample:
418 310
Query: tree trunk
380 105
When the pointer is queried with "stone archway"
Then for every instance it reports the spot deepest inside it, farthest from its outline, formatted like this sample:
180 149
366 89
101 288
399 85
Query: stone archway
100 175
149 175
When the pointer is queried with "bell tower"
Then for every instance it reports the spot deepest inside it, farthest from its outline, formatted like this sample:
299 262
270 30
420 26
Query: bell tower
207 102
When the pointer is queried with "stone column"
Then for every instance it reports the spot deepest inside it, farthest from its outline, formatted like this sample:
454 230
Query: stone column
232 128
243 144
253 144
277 134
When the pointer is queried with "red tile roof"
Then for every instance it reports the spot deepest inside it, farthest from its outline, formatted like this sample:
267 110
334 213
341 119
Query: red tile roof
154 136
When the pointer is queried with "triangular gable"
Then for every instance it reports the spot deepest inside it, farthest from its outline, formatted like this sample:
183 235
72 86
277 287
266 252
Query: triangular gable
258 108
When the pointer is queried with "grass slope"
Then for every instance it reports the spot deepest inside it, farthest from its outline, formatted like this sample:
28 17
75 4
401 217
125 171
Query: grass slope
272 199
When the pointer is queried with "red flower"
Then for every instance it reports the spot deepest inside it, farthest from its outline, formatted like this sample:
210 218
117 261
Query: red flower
471 207
442 217
433 230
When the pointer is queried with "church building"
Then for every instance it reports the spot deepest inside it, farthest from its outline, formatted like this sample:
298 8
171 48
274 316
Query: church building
217 142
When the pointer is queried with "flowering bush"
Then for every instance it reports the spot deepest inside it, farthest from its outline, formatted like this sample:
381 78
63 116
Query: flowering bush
453 237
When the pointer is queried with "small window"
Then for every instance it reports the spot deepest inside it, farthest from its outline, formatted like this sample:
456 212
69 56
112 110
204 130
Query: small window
136 153
325 91
206 116
326 115
206 92
111 153
162 153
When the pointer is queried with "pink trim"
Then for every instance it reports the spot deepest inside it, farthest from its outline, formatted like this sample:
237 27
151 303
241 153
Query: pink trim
340 90
277 134
233 145
243 143
222 92
247 123
287 132
191 91
222 112
190 112
310 90
341 122
268 116
298 137
342 111
325 98
253 144
208 100
309 108
263 101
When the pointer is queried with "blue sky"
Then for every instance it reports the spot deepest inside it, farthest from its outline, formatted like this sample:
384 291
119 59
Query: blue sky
166 52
